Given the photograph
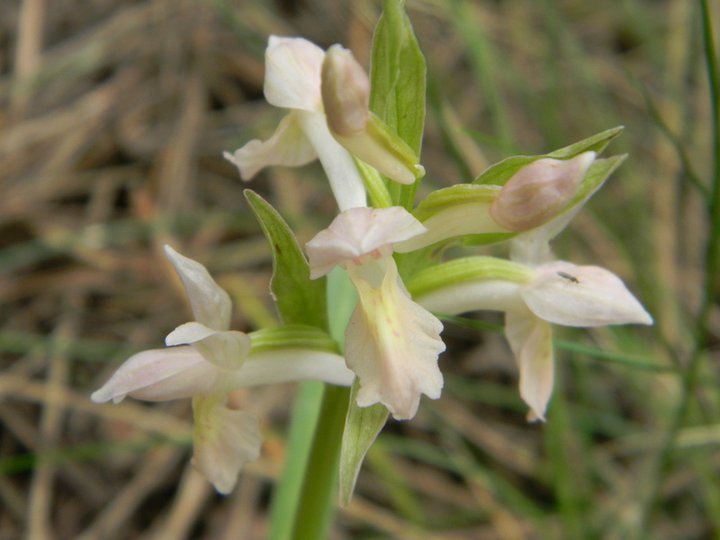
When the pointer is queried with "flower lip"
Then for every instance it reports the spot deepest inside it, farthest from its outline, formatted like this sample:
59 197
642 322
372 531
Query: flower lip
582 296
358 233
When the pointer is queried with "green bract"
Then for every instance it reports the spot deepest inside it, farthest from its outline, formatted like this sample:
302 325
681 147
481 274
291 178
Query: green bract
299 299
501 172
397 76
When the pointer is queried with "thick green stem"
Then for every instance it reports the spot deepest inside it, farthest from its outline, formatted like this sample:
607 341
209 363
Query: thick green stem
317 499
306 411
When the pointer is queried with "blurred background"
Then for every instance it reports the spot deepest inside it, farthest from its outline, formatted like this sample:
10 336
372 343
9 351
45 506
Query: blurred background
113 119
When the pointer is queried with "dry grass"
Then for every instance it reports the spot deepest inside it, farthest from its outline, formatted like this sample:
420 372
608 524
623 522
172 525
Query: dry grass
113 119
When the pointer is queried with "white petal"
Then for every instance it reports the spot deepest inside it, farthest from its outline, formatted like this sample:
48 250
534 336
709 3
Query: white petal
530 339
226 349
288 146
494 295
223 441
392 344
210 304
160 375
457 220
345 180
587 296
358 232
281 366
292 73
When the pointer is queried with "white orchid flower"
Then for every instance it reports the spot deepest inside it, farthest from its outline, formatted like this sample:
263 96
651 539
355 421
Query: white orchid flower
210 362
391 342
292 81
533 298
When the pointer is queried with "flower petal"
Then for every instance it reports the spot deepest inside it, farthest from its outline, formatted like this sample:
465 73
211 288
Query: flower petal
392 344
281 366
494 295
226 349
223 441
210 304
530 339
358 232
570 295
454 221
292 73
345 180
160 375
288 146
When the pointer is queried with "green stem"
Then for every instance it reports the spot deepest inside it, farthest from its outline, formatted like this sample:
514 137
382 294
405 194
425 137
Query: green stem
306 410
317 497
315 503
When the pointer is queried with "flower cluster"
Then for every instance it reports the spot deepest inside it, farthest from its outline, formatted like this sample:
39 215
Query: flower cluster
393 339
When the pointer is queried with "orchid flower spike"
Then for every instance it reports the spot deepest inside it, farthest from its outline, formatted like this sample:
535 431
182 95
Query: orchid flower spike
533 298
292 81
209 362
391 343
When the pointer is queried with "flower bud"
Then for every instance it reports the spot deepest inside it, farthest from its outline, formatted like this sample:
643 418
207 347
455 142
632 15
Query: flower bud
539 191
345 89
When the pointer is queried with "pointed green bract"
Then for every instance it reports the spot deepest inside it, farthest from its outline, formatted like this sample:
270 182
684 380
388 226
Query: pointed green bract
362 426
398 80
299 299
501 172
596 175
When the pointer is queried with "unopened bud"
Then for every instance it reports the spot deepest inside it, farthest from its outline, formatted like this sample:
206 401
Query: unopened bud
345 91
538 191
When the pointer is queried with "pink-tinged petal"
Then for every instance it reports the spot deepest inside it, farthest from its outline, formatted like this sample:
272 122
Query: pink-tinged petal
223 441
359 232
226 349
392 344
210 304
288 146
160 375
530 339
292 73
586 296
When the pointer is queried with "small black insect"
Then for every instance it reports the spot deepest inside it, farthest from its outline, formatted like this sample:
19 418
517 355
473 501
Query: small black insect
568 277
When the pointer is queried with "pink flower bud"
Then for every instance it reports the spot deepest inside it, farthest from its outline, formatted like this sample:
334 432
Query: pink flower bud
538 191
345 91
